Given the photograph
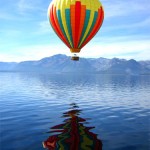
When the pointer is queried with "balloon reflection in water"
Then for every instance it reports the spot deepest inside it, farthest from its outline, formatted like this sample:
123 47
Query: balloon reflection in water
72 135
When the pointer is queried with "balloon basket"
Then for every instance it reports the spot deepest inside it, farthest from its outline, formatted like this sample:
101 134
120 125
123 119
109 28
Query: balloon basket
75 57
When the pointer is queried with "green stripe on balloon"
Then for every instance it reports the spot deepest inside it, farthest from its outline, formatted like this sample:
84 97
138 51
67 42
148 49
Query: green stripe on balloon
61 25
87 17
94 21
67 13
92 26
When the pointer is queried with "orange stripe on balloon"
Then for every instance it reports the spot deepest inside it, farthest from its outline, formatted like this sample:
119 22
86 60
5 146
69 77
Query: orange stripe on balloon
77 21
72 15
82 19
96 27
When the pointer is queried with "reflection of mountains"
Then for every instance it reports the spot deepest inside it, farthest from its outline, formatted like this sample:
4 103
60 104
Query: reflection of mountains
84 81
72 134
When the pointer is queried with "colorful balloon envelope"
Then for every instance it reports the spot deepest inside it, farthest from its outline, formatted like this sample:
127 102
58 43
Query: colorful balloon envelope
76 21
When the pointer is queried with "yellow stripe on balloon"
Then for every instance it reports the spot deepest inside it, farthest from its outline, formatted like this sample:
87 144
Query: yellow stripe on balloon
89 23
73 2
97 5
82 2
57 4
63 17
87 3
68 3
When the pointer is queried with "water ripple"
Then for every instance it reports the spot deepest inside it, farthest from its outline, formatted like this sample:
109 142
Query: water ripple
117 106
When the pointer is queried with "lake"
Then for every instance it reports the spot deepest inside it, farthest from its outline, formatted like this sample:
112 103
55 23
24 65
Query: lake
115 107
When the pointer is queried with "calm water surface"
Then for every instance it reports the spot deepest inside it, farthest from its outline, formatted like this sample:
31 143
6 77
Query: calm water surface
117 106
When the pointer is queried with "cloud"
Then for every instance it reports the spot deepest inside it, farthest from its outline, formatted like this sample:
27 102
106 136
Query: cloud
136 49
44 27
124 8
6 16
135 25
117 39
9 37
27 6
7 10
34 52
14 10
10 32
8 58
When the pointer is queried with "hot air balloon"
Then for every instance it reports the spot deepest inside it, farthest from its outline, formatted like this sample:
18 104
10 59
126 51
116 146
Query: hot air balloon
75 21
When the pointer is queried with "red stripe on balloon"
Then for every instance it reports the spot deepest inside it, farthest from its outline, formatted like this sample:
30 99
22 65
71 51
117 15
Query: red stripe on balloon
77 21
72 15
96 27
52 21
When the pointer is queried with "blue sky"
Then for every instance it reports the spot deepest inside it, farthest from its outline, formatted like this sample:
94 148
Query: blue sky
25 33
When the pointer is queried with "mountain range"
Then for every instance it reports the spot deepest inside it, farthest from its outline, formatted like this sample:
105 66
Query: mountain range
62 63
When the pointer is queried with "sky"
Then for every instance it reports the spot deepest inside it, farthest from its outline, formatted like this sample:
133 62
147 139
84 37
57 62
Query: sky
25 32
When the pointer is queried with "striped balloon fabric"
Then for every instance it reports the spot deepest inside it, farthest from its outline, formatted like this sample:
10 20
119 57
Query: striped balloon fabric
76 21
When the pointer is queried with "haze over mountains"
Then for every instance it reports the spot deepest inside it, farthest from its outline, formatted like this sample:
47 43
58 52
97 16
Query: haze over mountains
62 63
